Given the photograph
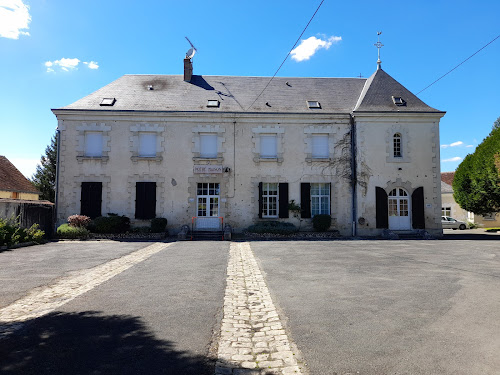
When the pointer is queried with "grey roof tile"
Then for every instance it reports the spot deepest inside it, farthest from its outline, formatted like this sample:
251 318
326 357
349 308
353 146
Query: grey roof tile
236 94
378 92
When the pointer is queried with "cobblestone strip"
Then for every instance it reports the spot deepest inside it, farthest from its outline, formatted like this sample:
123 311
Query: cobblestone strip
253 339
43 300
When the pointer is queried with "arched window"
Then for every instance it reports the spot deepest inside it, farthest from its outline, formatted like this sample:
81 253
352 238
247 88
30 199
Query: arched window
398 152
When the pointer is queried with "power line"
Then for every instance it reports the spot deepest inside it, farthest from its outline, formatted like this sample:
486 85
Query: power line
303 31
475 53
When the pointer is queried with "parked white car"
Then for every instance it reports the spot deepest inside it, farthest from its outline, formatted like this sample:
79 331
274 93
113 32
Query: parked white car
450 223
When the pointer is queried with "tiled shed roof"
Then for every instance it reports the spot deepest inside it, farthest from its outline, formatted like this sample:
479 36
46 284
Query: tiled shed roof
448 177
13 180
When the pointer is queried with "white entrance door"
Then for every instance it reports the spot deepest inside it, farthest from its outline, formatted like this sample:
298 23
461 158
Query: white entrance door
399 210
208 205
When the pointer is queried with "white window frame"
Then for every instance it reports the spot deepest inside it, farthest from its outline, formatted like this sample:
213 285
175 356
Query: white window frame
276 130
134 145
143 150
324 189
81 152
270 202
446 211
316 148
93 144
397 145
207 142
265 140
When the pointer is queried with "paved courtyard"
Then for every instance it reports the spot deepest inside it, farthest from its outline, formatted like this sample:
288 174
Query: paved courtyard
258 307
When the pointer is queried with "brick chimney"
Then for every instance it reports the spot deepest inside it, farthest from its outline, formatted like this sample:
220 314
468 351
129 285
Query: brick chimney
188 69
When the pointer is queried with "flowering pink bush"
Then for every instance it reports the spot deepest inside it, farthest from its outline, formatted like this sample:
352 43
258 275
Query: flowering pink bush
80 221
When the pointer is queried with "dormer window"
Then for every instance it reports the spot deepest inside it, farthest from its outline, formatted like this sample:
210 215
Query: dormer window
399 101
108 102
313 104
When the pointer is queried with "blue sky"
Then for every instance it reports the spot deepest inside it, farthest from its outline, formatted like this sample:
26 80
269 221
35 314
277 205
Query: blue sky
54 52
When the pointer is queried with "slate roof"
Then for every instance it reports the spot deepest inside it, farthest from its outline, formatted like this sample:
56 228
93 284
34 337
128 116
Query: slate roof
378 92
13 180
445 188
236 94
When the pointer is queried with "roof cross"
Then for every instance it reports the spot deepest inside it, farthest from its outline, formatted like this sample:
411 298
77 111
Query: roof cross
379 46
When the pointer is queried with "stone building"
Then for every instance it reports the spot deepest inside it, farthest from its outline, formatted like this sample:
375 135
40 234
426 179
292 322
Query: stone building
365 151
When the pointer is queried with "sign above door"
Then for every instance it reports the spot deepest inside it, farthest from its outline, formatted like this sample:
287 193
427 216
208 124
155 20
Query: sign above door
208 169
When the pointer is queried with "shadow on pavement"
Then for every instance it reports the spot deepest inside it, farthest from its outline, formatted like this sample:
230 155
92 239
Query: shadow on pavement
90 343
476 235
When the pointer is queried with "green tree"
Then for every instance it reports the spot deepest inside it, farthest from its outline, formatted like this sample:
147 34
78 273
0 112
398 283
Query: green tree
45 176
476 184
496 124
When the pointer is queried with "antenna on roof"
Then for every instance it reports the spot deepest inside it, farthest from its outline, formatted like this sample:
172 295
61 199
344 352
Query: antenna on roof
190 53
379 46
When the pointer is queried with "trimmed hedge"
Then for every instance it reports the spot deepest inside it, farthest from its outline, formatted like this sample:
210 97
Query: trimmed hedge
71 232
110 224
158 225
274 227
321 222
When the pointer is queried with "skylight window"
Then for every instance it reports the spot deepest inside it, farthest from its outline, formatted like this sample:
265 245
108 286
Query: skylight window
108 102
313 104
399 101
213 103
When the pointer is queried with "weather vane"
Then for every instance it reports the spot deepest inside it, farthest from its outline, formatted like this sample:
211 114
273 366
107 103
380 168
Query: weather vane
379 46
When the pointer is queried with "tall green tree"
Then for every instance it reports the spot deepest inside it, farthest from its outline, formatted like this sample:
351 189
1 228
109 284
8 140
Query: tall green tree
476 184
45 176
496 124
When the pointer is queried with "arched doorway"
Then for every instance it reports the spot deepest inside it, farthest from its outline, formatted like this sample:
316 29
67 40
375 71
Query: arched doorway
399 209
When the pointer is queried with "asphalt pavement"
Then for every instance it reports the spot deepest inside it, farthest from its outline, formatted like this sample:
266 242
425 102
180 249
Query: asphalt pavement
351 307
157 317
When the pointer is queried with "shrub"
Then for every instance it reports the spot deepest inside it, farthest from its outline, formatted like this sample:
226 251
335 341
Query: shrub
68 231
321 222
158 225
472 225
11 232
79 221
273 227
110 224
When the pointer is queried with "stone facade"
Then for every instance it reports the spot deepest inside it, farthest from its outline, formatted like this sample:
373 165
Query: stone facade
176 167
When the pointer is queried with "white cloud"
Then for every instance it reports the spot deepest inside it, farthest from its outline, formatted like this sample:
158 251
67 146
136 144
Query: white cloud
469 146
92 64
64 64
456 158
308 47
14 17
67 64
454 144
